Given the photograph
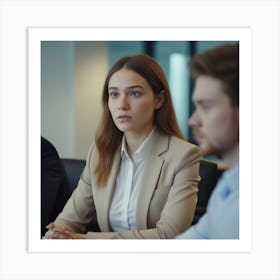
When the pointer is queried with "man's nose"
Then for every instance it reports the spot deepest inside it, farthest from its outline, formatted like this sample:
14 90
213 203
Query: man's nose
194 120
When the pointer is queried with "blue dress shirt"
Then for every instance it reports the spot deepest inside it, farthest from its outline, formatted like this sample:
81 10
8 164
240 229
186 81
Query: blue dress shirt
221 220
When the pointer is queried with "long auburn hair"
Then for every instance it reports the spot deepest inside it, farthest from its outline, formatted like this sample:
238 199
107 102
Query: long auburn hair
108 137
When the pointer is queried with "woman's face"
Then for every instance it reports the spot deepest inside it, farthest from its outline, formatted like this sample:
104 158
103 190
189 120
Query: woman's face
132 102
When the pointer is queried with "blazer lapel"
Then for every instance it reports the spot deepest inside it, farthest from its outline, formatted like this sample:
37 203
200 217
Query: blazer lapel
152 170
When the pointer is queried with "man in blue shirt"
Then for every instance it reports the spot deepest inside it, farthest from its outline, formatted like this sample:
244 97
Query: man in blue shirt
215 124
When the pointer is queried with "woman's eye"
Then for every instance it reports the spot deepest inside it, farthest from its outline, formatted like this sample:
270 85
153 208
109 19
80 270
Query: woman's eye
135 93
113 94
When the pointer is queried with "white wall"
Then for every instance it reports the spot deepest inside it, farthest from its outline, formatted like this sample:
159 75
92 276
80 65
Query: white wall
91 70
73 74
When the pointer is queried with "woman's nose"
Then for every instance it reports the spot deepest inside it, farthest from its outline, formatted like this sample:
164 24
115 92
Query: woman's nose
123 102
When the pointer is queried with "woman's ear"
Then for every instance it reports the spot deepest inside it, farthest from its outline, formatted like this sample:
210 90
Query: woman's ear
159 100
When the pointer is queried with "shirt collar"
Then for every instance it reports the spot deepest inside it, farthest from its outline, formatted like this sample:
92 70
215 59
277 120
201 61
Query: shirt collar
232 176
123 147
143 151
230 179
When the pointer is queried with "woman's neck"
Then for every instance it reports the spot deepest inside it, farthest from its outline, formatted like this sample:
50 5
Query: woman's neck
135 140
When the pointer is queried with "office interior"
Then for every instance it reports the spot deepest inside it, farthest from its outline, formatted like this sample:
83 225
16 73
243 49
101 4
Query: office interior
72 77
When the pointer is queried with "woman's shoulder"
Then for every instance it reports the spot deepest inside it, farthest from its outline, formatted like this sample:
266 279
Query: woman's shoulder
173 145
183 144
182 151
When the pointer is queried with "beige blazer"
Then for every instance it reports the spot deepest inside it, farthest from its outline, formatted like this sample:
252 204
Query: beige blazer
167 197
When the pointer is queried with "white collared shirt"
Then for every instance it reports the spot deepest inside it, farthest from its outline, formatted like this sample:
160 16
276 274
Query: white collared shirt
122 213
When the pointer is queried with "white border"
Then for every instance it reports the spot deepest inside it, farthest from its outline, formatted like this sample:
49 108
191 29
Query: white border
36 35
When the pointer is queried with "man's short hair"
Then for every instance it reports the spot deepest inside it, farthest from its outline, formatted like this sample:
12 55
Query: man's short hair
221 63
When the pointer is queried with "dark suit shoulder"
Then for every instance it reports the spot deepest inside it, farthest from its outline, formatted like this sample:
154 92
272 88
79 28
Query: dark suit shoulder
47 148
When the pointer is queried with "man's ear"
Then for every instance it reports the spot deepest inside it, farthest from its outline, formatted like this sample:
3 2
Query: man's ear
159 100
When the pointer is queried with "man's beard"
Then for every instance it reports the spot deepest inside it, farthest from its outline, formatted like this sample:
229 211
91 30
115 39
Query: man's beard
206 148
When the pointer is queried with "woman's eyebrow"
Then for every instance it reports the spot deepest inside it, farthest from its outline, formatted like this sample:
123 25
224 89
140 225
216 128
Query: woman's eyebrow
136 86
130 87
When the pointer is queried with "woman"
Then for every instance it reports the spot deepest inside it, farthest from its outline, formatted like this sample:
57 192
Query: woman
140 179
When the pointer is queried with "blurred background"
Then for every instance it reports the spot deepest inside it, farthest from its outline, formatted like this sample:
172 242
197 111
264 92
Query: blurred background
72 77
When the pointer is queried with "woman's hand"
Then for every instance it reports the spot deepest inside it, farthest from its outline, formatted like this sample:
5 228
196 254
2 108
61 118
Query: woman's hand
61 232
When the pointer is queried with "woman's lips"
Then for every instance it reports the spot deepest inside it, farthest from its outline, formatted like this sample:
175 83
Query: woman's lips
124 118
